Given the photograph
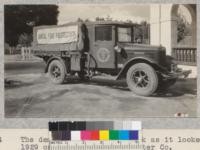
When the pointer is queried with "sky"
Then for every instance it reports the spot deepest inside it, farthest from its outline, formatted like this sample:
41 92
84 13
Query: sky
136 13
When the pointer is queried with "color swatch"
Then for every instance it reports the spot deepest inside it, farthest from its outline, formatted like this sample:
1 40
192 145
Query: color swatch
103 135
98 130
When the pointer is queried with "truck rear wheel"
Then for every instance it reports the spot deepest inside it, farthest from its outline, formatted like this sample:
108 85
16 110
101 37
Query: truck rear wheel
56 72
142 79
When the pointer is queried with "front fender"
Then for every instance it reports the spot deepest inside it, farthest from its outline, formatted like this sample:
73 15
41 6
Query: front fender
128 64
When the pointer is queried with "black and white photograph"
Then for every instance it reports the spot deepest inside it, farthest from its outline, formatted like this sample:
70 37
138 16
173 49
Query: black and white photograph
100 60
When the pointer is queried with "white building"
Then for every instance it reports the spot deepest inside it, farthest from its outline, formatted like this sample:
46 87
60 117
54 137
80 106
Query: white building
164 31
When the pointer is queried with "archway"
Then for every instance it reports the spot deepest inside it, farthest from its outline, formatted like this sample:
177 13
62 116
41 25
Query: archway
183 33
183 25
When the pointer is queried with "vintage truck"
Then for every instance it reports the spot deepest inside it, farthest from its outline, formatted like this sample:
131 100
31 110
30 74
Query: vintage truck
87 48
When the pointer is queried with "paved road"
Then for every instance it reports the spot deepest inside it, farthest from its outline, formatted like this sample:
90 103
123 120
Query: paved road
28 93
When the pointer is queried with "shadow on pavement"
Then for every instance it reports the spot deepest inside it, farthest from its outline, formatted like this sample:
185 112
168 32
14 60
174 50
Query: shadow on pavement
115 84
181 87
9 84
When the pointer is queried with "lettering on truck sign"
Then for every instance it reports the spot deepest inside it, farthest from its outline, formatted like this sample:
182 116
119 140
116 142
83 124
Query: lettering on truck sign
58 35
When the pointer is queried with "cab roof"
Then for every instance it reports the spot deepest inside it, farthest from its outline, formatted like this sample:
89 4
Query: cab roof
109 22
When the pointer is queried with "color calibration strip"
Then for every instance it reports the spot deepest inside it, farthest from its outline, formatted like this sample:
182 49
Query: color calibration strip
93 131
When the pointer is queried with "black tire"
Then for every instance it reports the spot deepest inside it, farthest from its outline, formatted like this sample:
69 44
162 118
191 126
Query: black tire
142 79
57 72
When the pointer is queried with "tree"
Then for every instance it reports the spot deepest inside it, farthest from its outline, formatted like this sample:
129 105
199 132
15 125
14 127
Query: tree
25 39
20 19
182 28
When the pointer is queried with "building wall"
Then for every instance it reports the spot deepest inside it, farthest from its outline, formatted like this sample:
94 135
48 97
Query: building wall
163 25
163 29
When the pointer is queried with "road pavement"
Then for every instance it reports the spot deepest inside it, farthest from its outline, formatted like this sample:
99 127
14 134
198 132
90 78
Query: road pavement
29 93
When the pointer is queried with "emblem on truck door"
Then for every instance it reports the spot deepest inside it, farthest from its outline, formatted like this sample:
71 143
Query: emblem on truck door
103 54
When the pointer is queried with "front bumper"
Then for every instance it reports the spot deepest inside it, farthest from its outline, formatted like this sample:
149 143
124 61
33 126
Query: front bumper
177 74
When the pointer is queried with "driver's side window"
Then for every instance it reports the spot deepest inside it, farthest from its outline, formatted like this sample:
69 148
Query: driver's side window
103 33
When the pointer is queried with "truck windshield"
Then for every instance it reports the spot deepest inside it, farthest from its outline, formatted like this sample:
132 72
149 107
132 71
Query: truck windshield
124 34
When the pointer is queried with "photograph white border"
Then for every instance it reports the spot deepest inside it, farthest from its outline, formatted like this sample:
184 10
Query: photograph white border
148 123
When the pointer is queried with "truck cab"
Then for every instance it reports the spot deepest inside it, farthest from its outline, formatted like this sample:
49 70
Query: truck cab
85 48
112 46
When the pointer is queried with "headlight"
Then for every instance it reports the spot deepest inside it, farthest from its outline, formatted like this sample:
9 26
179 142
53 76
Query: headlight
174 68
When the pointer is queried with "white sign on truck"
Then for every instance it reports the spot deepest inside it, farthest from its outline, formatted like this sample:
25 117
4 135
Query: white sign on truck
57 35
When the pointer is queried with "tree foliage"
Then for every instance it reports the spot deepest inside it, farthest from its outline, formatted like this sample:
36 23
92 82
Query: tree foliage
20 19
25 39
182 28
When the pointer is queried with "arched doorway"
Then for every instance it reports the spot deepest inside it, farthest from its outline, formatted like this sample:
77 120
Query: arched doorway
183 19
183 33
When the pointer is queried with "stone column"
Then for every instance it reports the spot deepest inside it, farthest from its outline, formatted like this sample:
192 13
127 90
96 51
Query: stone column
160 22
154 24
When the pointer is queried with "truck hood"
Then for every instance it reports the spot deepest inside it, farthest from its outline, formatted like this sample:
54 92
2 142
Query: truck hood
134 46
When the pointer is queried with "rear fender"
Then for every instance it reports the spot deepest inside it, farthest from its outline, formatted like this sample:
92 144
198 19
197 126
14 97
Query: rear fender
122 73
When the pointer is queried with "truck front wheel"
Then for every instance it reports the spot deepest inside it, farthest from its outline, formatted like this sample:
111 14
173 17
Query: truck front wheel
142 79
56 72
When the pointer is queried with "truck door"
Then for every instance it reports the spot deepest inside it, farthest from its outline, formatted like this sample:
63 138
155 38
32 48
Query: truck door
103 48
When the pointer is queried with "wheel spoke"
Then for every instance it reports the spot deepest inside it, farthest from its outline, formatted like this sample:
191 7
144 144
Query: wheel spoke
146 80
143 83
54 73
137 84
140 73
